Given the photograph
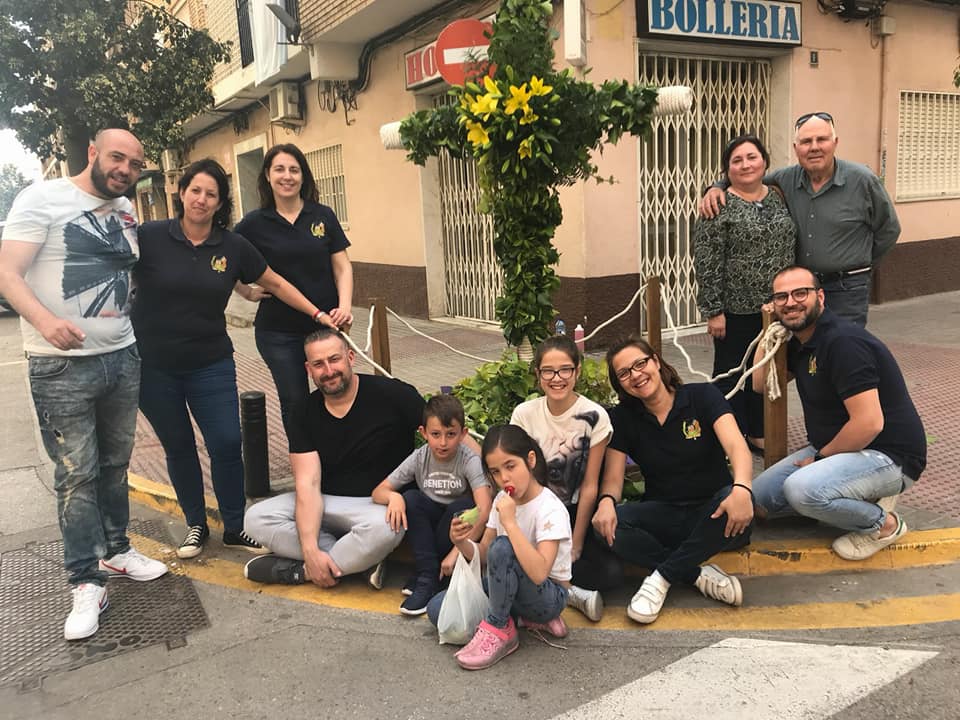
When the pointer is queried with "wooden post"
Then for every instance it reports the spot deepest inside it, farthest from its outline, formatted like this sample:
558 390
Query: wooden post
775 412
653 313
380 336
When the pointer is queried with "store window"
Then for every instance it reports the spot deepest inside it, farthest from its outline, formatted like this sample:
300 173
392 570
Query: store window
327 167
928 146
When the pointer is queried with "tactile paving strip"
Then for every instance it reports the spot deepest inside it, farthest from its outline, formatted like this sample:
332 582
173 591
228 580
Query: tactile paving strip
35 600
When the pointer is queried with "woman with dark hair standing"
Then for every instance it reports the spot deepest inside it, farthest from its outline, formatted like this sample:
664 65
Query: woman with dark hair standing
735 256
303 241
692 508
187 269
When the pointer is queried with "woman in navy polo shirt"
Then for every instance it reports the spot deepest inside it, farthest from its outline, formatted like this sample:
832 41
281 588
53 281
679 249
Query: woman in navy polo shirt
187 269
680 436
303 241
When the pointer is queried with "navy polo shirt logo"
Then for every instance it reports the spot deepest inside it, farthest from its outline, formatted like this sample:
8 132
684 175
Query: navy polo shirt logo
318 229
218 263
691 429
812 365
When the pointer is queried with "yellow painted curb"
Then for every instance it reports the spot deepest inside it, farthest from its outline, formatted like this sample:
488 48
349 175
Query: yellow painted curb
784 557
161 496
355 595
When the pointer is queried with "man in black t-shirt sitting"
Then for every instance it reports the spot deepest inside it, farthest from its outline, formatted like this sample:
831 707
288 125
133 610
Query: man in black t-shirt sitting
867 443
359 428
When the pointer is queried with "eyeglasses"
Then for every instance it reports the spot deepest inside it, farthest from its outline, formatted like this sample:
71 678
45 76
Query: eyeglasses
638 366
798 295
822 115
565 373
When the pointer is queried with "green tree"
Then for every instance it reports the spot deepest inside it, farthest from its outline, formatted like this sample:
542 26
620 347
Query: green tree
12 182
532 130
71 67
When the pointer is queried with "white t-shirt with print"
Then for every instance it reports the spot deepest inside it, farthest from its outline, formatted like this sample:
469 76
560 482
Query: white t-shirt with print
543 518
81 272
565 439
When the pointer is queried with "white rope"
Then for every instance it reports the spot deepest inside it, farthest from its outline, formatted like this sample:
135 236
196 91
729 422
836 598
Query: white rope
619 315
676 334
362 354
390 136
439 342
369 344
775 336
672 100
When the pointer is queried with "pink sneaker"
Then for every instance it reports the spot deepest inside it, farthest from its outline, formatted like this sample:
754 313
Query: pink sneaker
556 627
488 646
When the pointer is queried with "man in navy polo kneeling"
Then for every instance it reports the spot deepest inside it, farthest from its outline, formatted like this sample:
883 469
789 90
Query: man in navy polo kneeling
867 443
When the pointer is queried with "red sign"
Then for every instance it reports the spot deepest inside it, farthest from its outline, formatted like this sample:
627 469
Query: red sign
421 66
461 50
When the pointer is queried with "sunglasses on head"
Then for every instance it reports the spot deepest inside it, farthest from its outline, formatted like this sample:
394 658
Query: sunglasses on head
822 115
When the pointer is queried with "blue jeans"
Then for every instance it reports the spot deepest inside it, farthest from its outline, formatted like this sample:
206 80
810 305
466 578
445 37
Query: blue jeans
511 591
850 297
428 529
87 409
210 393
674 539
283 354
840 490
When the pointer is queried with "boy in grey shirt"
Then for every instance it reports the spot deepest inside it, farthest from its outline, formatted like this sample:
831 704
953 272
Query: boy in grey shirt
449 479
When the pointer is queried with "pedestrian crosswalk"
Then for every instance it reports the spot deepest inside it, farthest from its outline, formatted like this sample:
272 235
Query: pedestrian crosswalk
752 679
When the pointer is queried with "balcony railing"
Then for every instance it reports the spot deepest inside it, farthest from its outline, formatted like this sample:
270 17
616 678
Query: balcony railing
246 34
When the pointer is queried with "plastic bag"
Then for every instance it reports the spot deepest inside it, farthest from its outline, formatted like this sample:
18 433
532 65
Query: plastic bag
465 603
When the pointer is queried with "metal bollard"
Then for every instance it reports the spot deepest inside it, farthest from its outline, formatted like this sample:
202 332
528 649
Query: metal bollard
253 435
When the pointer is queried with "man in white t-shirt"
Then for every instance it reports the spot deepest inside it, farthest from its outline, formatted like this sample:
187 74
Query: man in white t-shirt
68 248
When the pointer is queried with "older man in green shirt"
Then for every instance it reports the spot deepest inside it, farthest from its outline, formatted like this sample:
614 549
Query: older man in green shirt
845 219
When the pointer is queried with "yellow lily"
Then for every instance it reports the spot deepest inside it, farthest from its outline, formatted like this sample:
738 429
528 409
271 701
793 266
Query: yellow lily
526 147
491 87
528 116
538 88
477 134
484 105
519 97
466 100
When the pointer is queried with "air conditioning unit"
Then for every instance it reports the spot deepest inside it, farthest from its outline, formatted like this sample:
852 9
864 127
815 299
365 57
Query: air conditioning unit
170 160
285 103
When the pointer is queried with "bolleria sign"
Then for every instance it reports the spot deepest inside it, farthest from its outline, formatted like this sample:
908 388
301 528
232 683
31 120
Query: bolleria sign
754 21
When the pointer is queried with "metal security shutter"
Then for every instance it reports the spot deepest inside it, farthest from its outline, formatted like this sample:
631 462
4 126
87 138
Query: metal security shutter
472 278
928 146
731 97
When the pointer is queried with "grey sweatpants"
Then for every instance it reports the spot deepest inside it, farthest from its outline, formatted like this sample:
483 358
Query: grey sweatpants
353 531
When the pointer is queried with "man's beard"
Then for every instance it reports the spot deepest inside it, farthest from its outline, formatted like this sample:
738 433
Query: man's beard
100 183
805 320
339 389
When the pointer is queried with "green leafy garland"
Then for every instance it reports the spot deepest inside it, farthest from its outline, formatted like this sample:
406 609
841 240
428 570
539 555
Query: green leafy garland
531 130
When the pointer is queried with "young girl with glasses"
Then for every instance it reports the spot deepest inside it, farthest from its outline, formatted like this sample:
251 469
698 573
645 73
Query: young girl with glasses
681 436
573 432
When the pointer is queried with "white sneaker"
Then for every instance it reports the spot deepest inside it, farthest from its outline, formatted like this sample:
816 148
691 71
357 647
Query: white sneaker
133 565
589 602
377 574
715 584
647 602
89 600
860 546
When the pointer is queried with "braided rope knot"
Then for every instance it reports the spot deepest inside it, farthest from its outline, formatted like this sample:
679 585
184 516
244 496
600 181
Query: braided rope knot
775 336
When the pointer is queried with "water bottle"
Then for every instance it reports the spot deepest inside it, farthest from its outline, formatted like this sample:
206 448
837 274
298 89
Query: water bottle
561 327
578 336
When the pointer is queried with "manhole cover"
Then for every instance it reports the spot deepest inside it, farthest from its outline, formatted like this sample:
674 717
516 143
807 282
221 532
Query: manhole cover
35 600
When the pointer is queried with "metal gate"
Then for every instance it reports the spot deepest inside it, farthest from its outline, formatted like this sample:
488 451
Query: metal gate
682 157
472 278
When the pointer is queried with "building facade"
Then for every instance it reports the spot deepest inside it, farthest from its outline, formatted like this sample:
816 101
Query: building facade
883 70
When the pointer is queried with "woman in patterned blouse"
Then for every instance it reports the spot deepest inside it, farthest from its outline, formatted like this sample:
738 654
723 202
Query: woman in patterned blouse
736 254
